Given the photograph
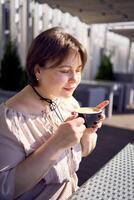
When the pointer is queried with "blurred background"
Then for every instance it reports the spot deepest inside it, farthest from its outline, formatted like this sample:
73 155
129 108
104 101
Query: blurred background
106 28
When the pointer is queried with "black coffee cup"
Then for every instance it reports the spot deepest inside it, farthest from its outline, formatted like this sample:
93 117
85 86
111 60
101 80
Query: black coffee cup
90 115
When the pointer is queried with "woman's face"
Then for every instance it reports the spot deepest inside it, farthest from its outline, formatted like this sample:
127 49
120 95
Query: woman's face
62 80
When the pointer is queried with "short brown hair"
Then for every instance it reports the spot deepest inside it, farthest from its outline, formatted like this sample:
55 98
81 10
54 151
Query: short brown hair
52 44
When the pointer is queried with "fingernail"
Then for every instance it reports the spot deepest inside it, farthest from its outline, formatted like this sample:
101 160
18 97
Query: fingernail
100 117
73 113
93 126
95 123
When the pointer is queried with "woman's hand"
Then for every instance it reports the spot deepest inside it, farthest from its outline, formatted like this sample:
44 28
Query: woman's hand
89 138
102 117
70 132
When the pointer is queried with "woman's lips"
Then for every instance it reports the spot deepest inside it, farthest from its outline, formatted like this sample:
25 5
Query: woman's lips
69 89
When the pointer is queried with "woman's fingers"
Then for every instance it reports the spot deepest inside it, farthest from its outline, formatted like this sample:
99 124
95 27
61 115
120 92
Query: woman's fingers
101 117
73 116
102 104
98 123
92 129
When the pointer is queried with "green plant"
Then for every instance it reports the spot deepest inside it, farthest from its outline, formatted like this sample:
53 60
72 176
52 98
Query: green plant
24 80
105 71
11 73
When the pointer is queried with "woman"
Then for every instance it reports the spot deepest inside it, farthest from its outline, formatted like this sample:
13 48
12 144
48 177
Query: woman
42 140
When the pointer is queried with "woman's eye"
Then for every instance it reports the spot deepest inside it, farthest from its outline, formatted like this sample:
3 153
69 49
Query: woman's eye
65 71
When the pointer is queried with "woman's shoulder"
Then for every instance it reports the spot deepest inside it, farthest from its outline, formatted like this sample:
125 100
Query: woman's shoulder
6 124
17 101
22 103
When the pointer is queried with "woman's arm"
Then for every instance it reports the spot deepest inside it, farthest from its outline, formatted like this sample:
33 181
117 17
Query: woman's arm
88 142
89 138
30 171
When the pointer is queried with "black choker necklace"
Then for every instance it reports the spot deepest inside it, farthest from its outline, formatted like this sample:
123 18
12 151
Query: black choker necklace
52 104
41 97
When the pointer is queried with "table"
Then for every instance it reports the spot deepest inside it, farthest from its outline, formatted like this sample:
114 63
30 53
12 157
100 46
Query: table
115 181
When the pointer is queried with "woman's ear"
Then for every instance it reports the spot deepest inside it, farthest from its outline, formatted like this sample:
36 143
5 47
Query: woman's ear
37 71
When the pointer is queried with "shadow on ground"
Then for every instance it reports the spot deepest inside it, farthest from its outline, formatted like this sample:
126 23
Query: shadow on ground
110 141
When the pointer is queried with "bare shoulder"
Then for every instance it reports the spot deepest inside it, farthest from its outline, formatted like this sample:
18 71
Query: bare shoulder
19 101
25 102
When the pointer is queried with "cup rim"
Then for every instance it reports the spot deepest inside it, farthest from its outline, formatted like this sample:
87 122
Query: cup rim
87 110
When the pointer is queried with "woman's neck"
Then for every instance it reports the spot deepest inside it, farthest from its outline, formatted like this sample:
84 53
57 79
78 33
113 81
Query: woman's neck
42 94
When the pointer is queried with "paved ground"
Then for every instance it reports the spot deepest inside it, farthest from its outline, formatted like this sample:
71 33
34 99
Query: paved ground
116 132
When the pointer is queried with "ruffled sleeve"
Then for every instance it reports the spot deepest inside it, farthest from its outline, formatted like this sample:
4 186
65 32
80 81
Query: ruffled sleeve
11 153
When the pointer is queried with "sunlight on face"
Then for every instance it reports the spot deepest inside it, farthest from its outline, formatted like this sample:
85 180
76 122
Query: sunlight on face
61 80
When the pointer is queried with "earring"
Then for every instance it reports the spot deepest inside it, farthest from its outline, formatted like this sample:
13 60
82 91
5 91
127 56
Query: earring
37 79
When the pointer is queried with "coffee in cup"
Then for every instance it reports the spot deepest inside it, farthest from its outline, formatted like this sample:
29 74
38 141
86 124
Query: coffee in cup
90 115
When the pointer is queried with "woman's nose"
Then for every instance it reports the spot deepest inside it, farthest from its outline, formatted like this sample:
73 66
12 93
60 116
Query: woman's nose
73 77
